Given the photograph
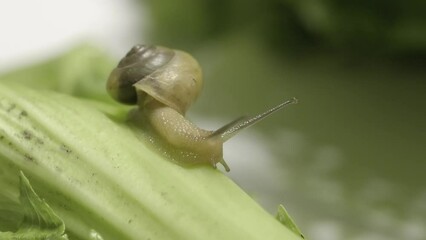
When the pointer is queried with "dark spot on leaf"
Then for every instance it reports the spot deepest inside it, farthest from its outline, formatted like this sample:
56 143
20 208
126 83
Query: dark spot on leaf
65 148
130 221
29 157
27 134
23 114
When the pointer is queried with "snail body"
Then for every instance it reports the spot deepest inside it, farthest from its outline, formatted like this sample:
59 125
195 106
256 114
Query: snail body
164 83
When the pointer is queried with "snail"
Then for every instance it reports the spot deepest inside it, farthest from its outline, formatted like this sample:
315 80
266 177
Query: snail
164 83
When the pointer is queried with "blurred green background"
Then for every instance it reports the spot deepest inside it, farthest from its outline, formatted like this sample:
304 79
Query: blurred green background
352 154
349 160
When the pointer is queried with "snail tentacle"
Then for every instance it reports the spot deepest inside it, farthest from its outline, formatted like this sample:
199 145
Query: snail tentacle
231 129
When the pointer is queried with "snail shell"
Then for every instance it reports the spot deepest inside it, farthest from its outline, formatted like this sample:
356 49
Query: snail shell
164 83
172 77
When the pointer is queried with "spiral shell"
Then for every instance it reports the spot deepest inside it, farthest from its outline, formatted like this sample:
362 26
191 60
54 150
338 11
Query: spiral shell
172 77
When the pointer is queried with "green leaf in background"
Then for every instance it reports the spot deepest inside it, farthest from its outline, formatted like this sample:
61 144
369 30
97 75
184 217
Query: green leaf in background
40 221
80 72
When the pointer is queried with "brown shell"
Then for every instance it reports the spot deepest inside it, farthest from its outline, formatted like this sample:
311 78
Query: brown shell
172 77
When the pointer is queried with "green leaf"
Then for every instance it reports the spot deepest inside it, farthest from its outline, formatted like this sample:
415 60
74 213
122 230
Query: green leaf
100 174
286 220
103 177
40 222
80 72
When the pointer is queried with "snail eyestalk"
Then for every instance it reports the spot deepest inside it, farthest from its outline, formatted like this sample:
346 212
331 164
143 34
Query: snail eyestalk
231 129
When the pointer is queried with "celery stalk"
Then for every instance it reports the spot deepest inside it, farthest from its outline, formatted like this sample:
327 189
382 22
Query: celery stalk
104 181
